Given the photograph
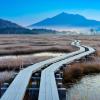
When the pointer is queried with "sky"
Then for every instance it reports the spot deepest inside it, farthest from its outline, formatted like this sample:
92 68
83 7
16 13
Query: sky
26 12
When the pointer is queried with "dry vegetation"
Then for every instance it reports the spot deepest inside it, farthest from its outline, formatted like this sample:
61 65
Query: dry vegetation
15 45
6 75
16 62
80 69
19 62
29 44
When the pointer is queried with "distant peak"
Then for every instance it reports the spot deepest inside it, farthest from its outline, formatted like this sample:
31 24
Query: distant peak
63 13
67 20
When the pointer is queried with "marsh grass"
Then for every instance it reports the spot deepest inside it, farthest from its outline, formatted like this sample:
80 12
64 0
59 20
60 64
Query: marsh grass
6 76
16 63
78 70
24 51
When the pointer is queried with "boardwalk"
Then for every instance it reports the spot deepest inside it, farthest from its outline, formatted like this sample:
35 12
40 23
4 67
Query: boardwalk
48 88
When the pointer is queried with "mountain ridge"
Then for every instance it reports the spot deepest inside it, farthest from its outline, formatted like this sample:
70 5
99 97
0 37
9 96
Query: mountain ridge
8 27
69 20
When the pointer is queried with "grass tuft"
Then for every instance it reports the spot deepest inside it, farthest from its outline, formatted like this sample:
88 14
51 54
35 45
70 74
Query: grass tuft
77 70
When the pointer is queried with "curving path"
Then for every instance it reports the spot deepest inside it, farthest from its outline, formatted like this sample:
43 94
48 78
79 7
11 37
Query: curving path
48 87
17 89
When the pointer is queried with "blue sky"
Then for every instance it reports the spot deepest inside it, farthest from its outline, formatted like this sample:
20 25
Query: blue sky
25 12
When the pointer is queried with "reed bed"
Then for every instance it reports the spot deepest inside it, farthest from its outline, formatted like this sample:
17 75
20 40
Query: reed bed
78 70
6 76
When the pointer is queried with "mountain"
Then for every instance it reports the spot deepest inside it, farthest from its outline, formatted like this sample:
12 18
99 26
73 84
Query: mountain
67 20
7 27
